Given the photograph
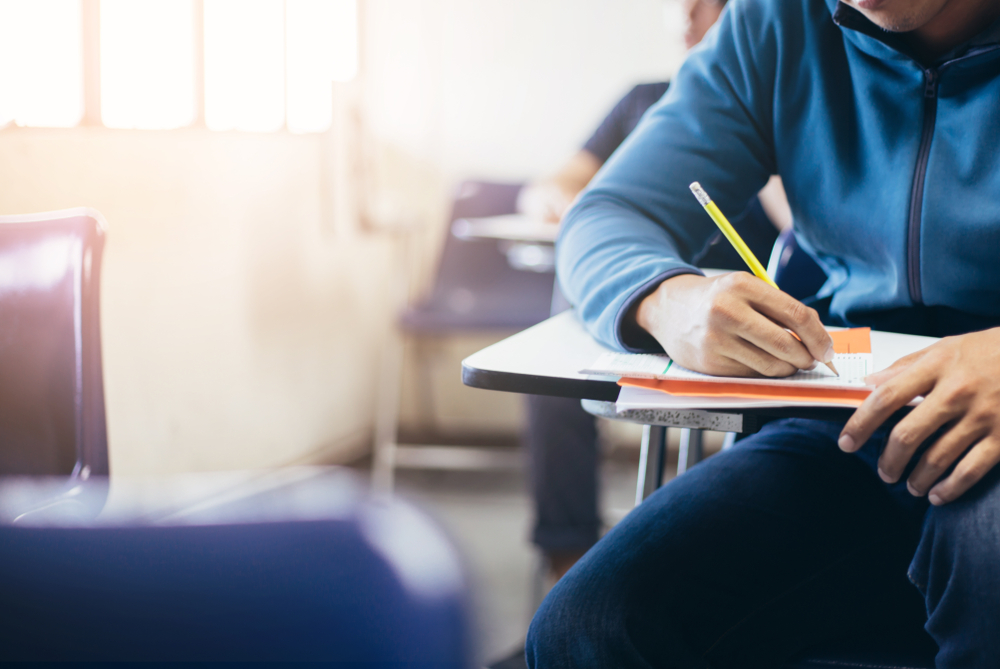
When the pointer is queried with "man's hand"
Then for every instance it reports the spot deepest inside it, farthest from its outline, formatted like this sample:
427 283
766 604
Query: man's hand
733 325
545 201
959 378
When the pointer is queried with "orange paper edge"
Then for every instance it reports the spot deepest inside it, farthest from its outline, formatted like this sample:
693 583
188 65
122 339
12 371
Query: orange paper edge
846 396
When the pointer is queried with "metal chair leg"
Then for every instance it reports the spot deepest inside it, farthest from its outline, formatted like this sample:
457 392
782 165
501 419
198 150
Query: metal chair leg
391 380
692 450
728 441
387 417
652 455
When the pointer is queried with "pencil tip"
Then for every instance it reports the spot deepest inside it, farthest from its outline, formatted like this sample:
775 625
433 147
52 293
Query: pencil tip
832 368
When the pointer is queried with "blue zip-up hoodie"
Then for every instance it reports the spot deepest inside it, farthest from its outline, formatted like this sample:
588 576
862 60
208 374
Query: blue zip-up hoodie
892 170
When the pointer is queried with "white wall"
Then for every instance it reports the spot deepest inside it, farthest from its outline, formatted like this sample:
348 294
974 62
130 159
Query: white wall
244 310
241 319
508 88
494 89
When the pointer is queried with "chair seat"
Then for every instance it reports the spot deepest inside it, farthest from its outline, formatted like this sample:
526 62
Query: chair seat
918 654
295 564
477 289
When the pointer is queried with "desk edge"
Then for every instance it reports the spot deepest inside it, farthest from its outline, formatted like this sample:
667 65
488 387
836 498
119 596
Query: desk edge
532 384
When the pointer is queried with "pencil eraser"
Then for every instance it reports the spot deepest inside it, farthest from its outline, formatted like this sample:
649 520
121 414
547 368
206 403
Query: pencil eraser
700 193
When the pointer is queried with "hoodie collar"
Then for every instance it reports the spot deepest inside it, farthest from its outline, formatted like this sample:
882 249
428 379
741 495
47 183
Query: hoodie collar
847 17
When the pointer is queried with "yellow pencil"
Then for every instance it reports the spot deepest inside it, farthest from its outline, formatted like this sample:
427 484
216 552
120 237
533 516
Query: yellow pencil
734 238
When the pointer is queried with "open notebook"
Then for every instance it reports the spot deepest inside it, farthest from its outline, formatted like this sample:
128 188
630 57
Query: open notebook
818 387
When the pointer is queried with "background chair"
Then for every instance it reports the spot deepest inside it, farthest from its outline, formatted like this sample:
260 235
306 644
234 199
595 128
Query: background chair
52 419
481 286
797 274
476 289
293 565
793 269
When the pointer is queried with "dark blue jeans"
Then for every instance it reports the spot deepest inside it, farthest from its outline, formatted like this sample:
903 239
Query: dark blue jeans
778 544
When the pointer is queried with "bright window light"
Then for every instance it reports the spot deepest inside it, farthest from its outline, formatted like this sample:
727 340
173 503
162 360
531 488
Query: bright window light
343 38
147 63
322 48
244 65
309 64
41 63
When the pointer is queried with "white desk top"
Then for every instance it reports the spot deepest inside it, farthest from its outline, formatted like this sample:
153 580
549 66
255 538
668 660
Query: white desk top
556 347
543 360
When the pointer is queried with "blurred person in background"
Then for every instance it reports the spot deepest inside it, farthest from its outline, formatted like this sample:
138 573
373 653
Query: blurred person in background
561 437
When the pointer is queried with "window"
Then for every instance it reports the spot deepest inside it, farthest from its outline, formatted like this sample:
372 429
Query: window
322 46
41 62
250 65
147 63
244 64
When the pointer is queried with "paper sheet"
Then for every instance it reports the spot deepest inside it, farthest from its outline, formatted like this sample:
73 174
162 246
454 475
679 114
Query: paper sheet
852 357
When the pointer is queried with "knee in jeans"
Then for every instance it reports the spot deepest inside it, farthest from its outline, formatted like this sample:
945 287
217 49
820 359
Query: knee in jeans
563 627
961 539
550 636
955 569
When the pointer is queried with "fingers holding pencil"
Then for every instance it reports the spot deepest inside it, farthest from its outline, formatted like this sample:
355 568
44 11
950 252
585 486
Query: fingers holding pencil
794 315
732 325
802 321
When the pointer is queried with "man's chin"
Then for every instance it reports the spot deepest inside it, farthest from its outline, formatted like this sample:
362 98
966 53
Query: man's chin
885 16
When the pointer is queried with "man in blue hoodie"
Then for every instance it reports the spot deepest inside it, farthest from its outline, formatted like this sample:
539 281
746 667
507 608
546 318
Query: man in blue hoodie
883 119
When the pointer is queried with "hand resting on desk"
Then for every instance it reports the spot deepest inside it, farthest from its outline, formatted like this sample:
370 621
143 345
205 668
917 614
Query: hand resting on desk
959 378
733 325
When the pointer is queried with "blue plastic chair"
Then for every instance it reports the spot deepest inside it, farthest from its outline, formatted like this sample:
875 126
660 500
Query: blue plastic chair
800 276
52 419
303 567
793 269
476 289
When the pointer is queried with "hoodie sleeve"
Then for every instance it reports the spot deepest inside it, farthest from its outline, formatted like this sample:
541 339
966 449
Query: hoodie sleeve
638 223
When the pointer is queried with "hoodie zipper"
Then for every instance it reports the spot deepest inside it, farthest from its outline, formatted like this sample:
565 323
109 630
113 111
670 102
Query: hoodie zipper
931 79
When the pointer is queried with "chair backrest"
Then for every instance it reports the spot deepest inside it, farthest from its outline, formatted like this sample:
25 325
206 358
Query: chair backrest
52 419
754 227
305 568
911 651
793 269
797 274
475 286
